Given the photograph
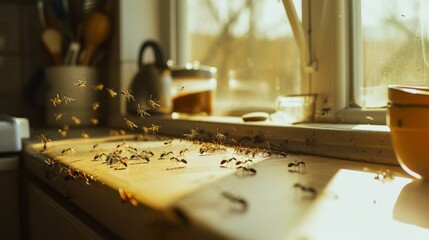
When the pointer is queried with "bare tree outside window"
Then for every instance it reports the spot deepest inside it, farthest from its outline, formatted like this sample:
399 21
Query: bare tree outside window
251 44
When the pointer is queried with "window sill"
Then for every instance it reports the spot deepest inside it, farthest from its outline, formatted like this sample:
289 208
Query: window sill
369 143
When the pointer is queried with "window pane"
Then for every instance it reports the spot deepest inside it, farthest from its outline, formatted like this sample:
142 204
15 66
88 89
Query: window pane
396 44
250 42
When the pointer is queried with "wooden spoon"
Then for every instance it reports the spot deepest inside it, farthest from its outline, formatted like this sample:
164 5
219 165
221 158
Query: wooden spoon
95 32
52 40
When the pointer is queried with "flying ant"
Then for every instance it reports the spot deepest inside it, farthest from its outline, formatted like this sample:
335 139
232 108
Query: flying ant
58 116
94 121
56 100
220 136
95 106
75 120
98 87
45 140
239 201
191 136
128 94
84 135
142 112
81 84
130 124
62 132
152 130
67 100
153 103
111 92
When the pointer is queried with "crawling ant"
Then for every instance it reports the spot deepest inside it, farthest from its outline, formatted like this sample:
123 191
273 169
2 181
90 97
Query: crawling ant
183 152
227 162
298 167
305 189
128 94
100 156
182 162
88 178
95 146
68 151
245 166
165 154
239 201
71 173
148 153
168 141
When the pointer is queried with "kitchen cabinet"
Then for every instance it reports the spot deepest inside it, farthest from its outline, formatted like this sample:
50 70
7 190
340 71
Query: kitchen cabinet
203 200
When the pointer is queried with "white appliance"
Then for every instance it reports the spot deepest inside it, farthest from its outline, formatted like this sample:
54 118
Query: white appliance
12 131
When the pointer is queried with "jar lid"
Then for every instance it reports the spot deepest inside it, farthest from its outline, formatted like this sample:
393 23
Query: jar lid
195 72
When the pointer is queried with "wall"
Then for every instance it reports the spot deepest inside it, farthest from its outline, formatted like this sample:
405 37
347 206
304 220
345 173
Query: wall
20 58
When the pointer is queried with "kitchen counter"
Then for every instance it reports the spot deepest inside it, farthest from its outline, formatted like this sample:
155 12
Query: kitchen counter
318 198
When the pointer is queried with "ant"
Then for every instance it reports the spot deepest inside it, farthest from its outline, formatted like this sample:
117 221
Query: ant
183 152
298 167
94 121
95 106
67 100
81 84
68 151
95 146
128 94
130 124
168 141
71 173
84 135
176 160
226 162
98 87
148 153
220 136
75 120
191 136
165 154
142 111
58 116
100 156
111 92
153 103
303 188
88 178
241 202
245 166
56 100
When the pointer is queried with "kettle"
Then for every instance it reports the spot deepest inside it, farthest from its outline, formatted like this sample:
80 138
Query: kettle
151 85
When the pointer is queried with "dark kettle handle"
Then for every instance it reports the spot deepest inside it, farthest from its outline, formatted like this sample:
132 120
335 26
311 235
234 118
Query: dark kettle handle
159 58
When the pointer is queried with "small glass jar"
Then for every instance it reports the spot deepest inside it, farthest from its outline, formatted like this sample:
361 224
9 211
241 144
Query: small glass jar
193 89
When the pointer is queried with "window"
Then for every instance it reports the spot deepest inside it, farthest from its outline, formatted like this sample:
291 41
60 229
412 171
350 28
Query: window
251 44
395 38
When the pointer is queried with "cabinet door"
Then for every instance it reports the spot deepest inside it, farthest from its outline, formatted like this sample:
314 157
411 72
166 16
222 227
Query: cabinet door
49 220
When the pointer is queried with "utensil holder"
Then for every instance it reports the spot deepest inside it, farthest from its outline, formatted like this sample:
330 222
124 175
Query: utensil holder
65 81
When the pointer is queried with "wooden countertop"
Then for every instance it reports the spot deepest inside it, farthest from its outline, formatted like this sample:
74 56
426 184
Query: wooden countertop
327 199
